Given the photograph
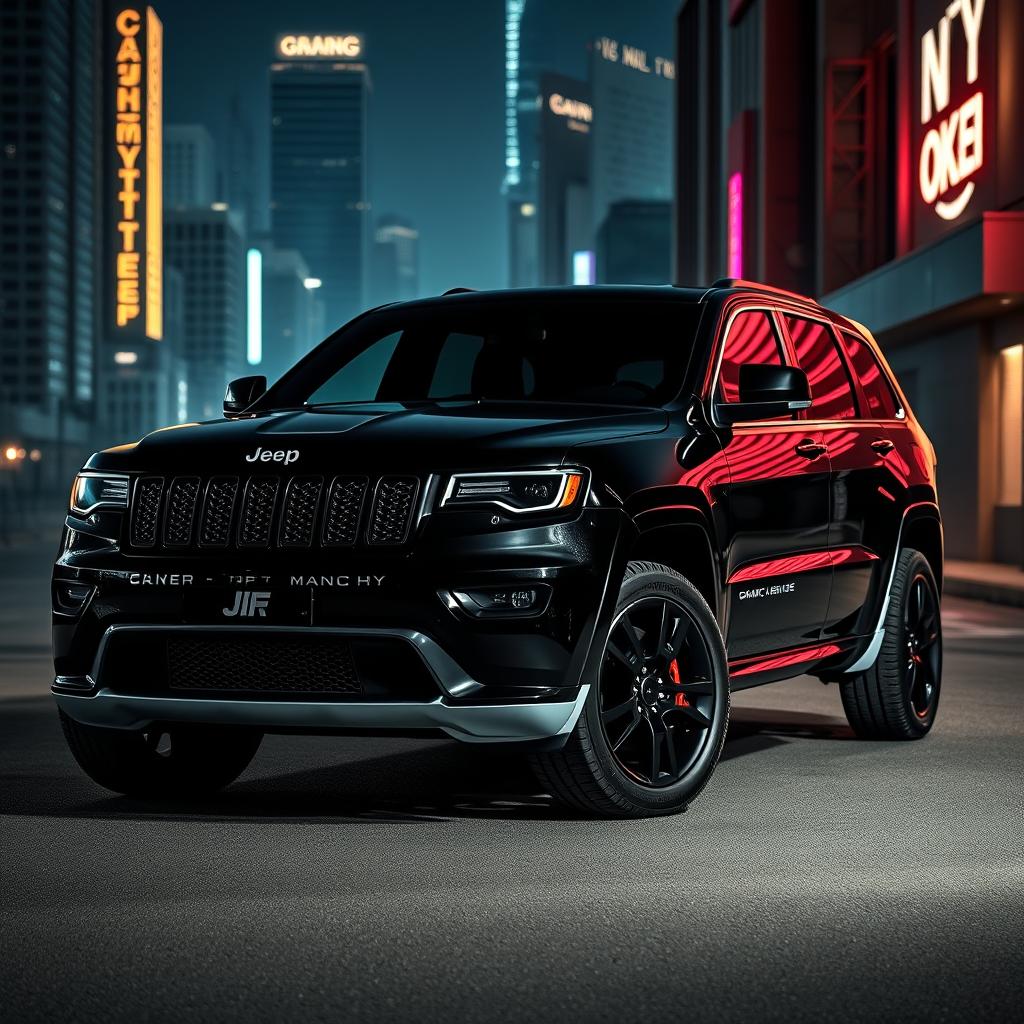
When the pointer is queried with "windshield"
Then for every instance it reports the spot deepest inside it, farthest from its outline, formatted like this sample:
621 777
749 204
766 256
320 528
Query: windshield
621 352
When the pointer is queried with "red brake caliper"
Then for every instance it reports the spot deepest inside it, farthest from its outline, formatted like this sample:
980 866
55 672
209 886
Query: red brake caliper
673 674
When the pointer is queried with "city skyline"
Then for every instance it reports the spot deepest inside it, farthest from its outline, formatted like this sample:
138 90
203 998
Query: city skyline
436 138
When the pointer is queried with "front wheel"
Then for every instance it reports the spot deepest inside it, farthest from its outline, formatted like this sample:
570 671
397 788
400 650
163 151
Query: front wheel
896 699
654 722
162 761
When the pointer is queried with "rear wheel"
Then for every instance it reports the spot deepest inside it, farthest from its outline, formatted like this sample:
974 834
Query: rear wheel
163 761
896 699
654 722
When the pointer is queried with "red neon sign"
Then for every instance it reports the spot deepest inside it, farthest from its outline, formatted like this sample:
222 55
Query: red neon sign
952 149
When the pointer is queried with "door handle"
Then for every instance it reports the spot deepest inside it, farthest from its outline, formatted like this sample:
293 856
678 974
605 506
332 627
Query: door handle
810 449
882 445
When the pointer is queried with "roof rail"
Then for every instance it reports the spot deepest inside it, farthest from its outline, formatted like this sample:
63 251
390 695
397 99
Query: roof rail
739 282
457 291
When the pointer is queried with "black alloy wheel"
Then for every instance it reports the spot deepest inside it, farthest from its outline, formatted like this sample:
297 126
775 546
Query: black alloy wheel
921 630
656 712
656 694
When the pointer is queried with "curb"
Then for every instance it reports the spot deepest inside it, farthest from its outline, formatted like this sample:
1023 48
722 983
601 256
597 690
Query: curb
978 590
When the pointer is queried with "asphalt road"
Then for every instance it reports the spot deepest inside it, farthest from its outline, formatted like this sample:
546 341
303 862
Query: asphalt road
817 876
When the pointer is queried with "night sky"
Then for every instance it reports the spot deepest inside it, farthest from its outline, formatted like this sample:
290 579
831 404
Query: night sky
436 119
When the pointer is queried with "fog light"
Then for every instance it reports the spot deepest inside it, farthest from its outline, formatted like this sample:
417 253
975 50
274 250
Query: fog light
509 601
70 597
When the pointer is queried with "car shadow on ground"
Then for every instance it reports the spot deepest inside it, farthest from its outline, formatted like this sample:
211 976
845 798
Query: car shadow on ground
411 781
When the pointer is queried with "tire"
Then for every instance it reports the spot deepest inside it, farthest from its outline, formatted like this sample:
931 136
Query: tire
654 756
170 761
897 698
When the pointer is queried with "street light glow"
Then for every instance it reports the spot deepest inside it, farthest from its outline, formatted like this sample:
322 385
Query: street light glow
312 283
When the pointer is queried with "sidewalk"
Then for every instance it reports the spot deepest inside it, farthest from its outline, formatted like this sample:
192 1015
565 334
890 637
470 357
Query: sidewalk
985 581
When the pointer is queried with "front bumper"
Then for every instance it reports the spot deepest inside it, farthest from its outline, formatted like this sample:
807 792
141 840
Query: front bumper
475 679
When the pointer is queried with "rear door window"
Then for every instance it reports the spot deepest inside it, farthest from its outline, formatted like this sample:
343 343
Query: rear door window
818 356
878 393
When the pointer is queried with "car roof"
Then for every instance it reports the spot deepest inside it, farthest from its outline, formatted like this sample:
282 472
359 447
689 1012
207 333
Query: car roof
571 293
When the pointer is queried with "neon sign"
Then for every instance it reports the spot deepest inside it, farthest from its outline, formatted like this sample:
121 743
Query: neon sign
346 46
137 187
952 149
577 110
735 225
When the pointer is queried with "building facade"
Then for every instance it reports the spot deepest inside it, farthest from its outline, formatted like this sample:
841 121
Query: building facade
870 154
319 97
634 243
190 166
206 247
292 316
632 92
50 167
395 261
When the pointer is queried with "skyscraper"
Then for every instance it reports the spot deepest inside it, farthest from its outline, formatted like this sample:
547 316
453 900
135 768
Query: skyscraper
319 92
291 326
631 149
49 166
190 166
394 263
206 246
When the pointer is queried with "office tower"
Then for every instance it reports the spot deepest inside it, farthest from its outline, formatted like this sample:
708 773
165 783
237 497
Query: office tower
207 247
190 166
319 92
394 263
50 124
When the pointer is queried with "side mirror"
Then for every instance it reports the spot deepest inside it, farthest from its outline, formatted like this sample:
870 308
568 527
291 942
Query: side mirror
241 393
766 393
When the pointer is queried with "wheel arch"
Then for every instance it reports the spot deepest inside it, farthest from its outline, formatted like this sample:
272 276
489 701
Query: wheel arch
923 532
682 543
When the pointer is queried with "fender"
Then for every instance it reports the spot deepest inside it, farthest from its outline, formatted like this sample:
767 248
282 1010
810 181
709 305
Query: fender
916 511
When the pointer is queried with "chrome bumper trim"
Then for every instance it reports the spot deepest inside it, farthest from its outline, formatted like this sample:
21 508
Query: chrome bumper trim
482 723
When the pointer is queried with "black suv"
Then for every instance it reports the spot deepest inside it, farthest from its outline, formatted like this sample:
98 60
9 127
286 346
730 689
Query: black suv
569 520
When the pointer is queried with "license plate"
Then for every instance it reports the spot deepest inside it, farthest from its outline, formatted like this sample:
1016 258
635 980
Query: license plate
248 606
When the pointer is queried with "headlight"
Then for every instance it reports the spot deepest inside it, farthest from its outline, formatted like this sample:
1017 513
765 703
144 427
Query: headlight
96 490
537 491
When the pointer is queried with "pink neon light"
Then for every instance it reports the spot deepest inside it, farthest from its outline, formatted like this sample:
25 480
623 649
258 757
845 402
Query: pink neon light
736 225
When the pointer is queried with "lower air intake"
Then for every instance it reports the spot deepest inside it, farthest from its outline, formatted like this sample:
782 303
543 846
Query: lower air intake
262 664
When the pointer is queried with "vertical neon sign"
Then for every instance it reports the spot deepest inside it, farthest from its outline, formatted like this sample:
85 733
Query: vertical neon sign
735 225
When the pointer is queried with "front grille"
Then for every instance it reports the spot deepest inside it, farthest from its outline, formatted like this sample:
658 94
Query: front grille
188 512
262 664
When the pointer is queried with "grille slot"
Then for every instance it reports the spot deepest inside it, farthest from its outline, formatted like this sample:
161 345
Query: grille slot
146 511
257 515
181 511
215 527
344 510
262 664
298 517
392 509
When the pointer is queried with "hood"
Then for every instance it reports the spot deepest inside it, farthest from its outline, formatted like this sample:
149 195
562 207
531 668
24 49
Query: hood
385 438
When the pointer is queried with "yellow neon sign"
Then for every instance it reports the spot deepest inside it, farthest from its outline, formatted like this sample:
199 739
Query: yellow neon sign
154 176
320 46
138 142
